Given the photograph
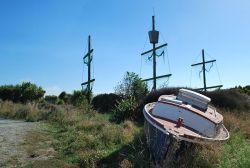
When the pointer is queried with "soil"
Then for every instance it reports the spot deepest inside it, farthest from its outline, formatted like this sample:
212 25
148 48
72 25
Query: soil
15 140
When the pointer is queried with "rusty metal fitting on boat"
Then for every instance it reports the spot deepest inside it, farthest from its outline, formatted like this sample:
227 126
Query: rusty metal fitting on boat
179 122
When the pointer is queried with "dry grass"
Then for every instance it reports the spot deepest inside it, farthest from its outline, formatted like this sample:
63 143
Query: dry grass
237 121
12 110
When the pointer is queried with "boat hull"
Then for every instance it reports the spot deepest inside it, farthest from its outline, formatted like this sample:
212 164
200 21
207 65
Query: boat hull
163 147
157 141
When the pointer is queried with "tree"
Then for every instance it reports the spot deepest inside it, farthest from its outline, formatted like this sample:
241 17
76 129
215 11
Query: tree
7 92
26 92
30 92
132 86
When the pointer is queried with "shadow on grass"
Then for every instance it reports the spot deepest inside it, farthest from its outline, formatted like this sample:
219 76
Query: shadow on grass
135 154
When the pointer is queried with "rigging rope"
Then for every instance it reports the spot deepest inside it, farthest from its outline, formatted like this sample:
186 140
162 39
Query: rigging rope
82 72
93 73
168 60
218 72
86 61
216 66
85 50
206 69
200 73
141 67
212 64
161 54
190 78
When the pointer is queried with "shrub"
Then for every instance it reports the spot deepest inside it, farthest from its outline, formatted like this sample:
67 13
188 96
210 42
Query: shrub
51 99
26 92
64 97
10 93
78 98
30 92
132 86
133 91
105 102
125 109
229 99
245 89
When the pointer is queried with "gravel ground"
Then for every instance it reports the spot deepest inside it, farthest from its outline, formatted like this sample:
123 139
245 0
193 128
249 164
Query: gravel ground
12 135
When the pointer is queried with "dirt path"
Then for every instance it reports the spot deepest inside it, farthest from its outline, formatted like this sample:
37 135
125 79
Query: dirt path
15 139
11 136
27 144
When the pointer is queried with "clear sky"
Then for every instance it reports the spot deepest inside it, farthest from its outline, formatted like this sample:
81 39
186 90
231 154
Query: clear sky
43 41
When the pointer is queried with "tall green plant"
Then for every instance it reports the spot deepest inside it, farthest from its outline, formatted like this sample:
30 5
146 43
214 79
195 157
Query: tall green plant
132 86
65 97
125 109
79 98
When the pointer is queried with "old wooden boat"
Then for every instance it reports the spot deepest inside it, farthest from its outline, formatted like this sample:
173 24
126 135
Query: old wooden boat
186 118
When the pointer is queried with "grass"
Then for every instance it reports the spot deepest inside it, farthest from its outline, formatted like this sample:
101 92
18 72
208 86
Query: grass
82 137
90 140
233 153
28 112
40 152
50 163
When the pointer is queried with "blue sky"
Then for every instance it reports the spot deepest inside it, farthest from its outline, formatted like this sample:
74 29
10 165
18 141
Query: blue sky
44 41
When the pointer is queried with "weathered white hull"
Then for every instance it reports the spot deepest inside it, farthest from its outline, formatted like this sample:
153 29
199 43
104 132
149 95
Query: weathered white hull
184 119
222 135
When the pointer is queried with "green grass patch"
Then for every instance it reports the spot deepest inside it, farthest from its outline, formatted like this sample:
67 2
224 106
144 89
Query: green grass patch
236 153
92 140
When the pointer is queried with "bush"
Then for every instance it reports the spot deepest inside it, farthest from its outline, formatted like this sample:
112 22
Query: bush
132 86
133 91
78 98
65 97
30 92
125 109
105 102
26 92
51 99
229 99
245 89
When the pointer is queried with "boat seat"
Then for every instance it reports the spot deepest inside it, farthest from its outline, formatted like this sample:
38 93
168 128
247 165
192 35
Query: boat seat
169 98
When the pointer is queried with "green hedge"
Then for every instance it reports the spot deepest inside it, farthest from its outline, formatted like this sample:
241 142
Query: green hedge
105 102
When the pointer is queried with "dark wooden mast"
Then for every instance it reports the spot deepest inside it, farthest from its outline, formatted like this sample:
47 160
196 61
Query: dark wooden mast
203 63
88 63
153 37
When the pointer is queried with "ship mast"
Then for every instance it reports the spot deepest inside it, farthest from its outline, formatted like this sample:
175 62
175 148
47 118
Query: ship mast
153 37
203 63
87 59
